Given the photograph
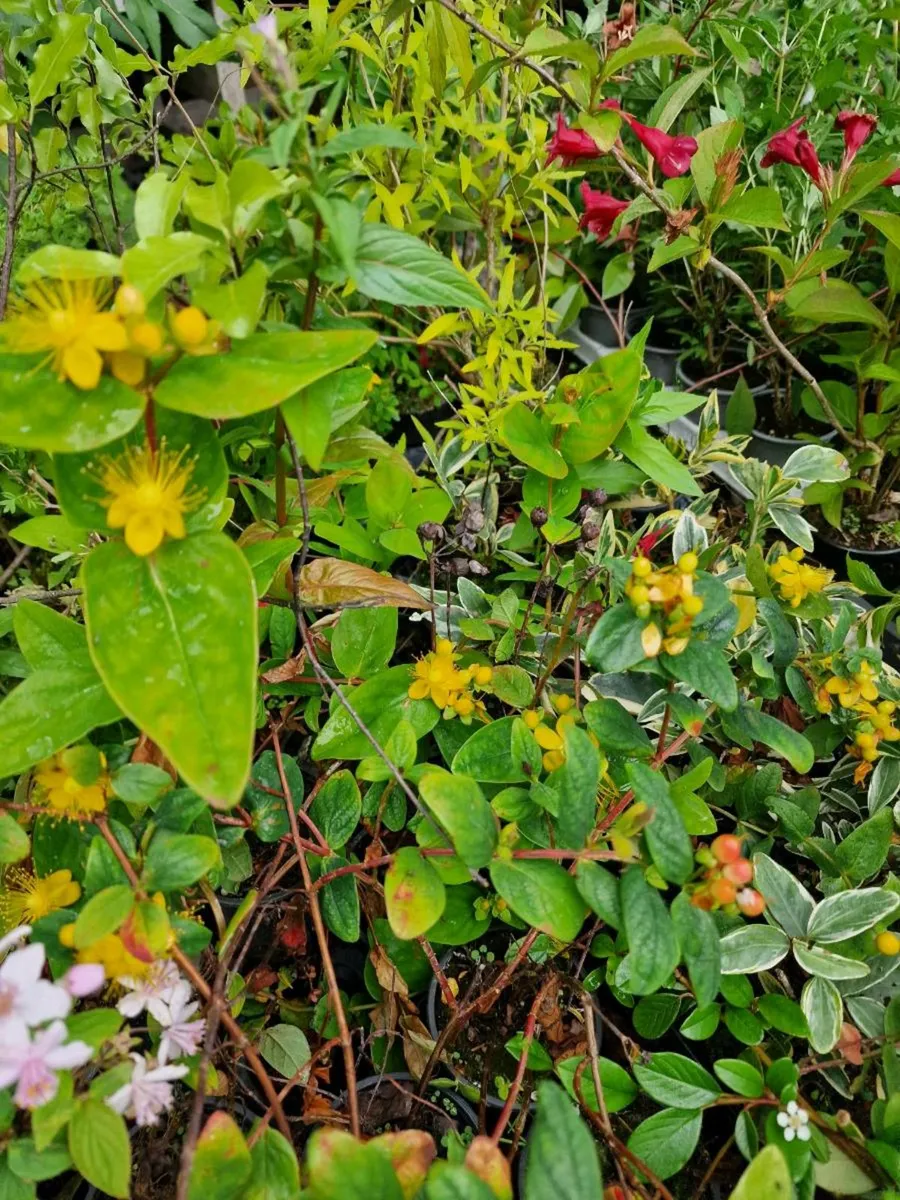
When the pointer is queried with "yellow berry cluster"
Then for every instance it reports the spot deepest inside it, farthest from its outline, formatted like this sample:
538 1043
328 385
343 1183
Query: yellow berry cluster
665 599
438 678
856 691
798 579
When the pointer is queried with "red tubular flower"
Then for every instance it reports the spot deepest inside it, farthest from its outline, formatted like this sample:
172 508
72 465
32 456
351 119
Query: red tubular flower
856 128
570 144
671 154
600 210
792 146
892 180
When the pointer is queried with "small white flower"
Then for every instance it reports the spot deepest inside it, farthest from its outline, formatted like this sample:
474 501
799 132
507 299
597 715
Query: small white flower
181 1035
26 999
151 992
148 1093
32 1064
795 1122
19 934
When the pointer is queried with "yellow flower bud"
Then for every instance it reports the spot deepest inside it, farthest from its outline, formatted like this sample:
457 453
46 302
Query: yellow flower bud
483 675
640 594
129 302
692 605
688 563
147 336
531 718
641 568
651 640
190 326
443 646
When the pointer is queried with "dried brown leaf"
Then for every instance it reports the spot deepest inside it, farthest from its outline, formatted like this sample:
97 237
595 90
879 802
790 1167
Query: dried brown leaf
333 583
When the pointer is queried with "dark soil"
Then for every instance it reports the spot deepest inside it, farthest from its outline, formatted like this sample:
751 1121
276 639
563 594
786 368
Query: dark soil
393 1105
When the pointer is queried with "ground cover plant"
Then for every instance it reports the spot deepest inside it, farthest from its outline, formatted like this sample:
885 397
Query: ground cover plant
426 773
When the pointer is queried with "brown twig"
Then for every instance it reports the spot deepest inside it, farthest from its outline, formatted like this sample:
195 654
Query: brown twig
513 1094
9 242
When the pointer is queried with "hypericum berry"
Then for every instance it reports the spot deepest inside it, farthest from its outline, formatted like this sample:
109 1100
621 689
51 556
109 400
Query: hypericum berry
688 563
739 872
531 718
430 531
888 943
641 567
726 848
640 594
750 902
590 530
692 605
190 326
539 517
723 891
865 741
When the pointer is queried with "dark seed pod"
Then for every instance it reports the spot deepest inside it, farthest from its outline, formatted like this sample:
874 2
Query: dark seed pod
539 517
598 496
430 531
589 531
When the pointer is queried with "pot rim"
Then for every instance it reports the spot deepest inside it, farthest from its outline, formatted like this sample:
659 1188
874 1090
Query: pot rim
863 552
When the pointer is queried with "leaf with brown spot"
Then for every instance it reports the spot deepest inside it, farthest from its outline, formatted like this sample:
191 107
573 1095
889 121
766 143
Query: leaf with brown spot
332 583
412 1151
486 1160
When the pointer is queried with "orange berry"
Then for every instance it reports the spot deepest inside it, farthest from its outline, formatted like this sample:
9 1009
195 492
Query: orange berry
726 848
739 872
888 943
750 902
723 891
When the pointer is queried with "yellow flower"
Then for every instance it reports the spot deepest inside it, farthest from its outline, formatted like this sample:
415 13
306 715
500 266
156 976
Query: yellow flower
532 718
62 790
437 678
147 496
797 579
65 318
24 898
110 951
192 330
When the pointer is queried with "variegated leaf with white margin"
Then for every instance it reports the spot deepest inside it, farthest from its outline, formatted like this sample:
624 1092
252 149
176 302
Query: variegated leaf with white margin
787 900
752 948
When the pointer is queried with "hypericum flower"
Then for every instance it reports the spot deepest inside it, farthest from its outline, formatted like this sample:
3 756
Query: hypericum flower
32 1065
26 897
148 1093
60 790
65 319
26 999
600 211
665 599
181 1034
148 496
797 579
792 146
570 145
152 991
110 951
439 679
671 154
856 128
794 1120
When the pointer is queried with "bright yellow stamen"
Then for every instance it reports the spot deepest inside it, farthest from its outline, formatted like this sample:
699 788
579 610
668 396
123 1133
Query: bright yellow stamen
148 496
25 898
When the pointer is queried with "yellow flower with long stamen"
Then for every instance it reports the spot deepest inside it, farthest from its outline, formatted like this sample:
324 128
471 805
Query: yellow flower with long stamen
65 319
148 496
58 787
26 898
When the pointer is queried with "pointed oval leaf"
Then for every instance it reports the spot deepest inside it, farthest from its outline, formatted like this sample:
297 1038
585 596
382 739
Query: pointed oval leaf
463 813
541 893
414 894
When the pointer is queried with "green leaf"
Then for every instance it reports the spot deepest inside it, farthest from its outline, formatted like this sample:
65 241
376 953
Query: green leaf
336 808
702 1023
103 914
783 1014
653 947
698 936
787 900
339 1166
616 729
94 1026
156 204
676 1082
448 1182
41 412
757 206
614 644
599 889
650 41
786 742
823 1009
53 59
67 262
140 784
413 894
606 398
667 839
862 853
838 302
364 640
502 752
400 269
274 1174
381 704
740 411
462 812
26 1161
513 686
654 1015
269 815
221 1167
752 948
365 137
340 901
712 143
174 639
154 261
53 533
285 1049
100 1147
460 921
817 961
667 1140
15 843
618 275
648 453
739 1076
576 784
562 1155
529 440
542 893
259 371
767 1175
619 1089
848 913
176 860
705 668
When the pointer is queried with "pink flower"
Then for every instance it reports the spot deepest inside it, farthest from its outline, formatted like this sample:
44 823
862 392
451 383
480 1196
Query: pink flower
892 180
856 128
792 146
148 1093
25 998
671 154
84 979
181 1035
600 210
570 145
32 1065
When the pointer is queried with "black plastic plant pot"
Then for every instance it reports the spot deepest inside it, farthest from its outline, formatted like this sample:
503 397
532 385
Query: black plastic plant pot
389 1101
832 553
433 1005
